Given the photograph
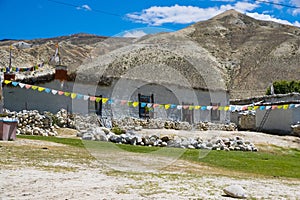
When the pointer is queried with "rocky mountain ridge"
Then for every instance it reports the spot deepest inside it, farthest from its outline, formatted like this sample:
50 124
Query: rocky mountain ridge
248 54
254 53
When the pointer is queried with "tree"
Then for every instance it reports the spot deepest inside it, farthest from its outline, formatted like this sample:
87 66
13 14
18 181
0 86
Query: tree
284 87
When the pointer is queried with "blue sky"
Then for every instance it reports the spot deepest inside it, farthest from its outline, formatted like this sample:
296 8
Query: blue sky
31 19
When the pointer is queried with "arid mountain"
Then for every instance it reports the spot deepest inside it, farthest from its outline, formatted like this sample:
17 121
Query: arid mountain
73 49
254 53
248 54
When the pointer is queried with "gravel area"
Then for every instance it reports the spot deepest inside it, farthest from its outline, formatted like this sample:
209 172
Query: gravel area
96 184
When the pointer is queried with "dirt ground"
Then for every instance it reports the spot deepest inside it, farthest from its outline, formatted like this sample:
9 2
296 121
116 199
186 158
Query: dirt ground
21 179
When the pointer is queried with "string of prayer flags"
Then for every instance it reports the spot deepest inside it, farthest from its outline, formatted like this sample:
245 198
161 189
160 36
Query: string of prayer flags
151 106
21 69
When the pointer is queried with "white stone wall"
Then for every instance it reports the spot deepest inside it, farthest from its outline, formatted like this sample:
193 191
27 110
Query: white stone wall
18 99
279 121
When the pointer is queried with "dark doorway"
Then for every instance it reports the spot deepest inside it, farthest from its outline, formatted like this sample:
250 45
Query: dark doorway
215 113
96 107
144 111
187 114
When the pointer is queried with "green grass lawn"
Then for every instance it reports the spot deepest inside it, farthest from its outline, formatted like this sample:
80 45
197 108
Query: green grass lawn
278 163
270 164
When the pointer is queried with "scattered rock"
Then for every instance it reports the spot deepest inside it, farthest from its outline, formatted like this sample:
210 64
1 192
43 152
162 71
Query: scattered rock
235 191
296 129
131 137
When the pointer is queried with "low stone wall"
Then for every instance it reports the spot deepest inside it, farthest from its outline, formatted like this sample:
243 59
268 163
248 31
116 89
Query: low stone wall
129 123
247 122
204 126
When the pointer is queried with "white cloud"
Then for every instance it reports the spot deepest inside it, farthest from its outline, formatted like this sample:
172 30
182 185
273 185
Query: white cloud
296 3
268 18
158 15
244 6
278 2
134 34
296 23
84 7
177 14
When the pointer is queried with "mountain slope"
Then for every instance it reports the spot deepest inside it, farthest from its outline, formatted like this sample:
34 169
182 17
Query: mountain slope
254 53
248 54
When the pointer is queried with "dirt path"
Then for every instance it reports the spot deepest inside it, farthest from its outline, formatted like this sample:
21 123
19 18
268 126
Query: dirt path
98 184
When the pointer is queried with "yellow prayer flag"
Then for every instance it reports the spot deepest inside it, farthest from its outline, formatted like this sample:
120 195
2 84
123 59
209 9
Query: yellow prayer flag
98 99
167 106
67 94
191 107
280 107
34 87
197 107
135 104
73 95
285 107
40 89
104 100
226 108
7 82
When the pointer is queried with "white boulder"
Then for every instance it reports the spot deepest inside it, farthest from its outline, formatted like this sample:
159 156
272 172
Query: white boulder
235 191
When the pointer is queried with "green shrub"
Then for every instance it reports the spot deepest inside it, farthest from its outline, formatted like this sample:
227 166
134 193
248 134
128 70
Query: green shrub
284 87
117 130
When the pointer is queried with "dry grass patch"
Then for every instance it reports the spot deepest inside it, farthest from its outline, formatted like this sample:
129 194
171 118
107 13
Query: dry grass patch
43 155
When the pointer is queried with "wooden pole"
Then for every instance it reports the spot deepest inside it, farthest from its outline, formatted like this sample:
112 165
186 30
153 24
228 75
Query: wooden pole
10 48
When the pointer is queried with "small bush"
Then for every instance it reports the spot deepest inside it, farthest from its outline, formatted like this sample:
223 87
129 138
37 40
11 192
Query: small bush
117 130
284 87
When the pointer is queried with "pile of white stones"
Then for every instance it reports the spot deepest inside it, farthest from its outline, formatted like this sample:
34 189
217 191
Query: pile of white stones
129 123
133 138
83 123
63 119
33 123
204 126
